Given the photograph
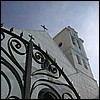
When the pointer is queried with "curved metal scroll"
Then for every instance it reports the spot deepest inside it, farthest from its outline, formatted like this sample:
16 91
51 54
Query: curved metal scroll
47 67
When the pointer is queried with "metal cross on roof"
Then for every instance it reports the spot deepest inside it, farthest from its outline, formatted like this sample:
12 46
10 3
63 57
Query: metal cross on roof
44 27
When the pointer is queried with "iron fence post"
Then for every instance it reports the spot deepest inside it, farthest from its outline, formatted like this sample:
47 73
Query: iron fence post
28 66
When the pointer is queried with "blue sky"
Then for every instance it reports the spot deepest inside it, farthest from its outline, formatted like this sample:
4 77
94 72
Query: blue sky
83 16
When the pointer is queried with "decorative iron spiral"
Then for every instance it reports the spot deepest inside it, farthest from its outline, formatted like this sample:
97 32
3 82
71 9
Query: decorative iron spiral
38 56
17 46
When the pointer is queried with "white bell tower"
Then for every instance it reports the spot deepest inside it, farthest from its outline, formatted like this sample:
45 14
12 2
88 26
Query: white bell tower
72 46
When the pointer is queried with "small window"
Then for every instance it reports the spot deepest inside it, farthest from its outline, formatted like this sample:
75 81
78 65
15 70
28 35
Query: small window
84 62
60 44
73 40
45 64
79 60
78 44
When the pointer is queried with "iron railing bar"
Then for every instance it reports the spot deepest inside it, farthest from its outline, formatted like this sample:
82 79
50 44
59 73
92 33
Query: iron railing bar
28 66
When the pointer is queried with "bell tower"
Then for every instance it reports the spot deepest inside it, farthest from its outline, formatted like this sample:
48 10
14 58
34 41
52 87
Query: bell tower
72 46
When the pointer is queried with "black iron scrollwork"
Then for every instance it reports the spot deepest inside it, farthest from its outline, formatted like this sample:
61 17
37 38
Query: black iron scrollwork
48 67
13 46
2 35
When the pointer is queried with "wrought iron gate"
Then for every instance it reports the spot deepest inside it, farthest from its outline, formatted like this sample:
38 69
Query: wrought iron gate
32 52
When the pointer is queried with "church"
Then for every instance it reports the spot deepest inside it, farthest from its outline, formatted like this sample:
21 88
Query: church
36 66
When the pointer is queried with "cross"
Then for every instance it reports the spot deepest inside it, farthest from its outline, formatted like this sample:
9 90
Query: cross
31 37
44 27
